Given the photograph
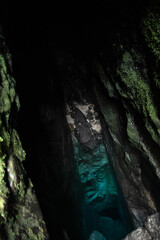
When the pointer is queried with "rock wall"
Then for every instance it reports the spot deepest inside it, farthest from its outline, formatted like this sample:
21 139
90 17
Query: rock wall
127 92
20 214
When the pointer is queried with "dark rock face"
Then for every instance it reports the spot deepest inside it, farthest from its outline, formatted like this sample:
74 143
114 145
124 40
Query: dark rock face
60 176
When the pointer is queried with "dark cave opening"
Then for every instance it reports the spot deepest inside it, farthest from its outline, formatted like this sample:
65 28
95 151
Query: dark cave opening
50 60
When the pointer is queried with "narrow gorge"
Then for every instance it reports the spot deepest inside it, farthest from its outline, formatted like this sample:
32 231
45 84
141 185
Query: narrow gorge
80 122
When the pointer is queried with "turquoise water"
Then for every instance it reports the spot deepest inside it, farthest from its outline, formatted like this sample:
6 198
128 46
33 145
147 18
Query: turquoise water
103 208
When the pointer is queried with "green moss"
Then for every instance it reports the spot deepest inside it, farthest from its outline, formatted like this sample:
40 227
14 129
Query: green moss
6 136
151 30
7 88
34 236
2 203
3 63
12 94
21 188
5 103
5 85
17 146
16 196
137 90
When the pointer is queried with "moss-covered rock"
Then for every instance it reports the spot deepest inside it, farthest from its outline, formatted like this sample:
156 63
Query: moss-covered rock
126 91
126 149
151 28
20 214
137 89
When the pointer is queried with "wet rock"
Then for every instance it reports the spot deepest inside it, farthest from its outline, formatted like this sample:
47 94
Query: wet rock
153 226
149 231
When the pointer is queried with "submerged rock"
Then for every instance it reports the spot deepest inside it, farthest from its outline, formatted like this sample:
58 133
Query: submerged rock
96 236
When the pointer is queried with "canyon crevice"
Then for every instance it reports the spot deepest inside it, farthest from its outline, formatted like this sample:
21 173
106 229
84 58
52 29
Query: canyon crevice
89 123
